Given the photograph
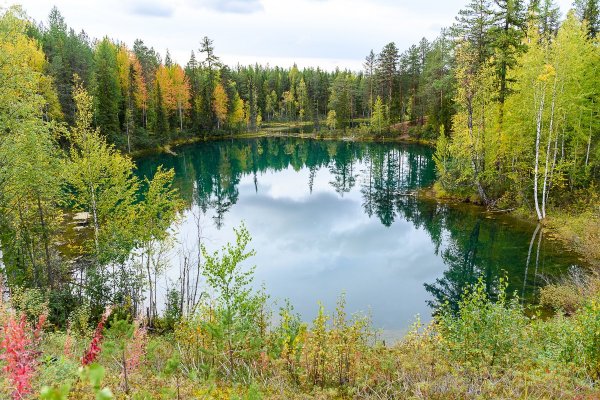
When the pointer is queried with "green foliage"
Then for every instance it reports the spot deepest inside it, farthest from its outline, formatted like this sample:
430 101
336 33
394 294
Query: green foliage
172 313
485 333
101 183
379 120
518 119
29 159
61 372
29 302
332 119
117 336
533 142
287 337
94 374
60 393
107 93
340 100
238 322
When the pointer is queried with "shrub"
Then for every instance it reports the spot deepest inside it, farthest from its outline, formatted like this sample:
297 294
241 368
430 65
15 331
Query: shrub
485 333
21 351
227 334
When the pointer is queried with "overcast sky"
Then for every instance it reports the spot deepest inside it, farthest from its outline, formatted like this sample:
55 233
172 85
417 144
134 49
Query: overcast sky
326 33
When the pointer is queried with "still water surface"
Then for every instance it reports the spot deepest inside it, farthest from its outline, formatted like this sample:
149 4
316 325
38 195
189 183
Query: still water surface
333 217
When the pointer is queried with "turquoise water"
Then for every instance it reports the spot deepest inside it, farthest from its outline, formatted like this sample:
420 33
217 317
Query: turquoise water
332 217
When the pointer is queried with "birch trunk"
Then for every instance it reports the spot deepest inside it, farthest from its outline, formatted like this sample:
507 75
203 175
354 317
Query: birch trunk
538 135
548 147
589 146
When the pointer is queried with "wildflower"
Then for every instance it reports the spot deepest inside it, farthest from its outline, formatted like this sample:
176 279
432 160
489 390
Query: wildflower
92 352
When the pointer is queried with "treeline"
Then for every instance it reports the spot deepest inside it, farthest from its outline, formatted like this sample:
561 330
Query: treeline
139 94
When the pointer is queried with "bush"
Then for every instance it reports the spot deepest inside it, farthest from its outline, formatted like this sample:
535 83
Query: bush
485 333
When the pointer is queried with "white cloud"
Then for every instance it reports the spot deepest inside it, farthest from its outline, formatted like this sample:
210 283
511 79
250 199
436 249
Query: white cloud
230 6
327 33
152 9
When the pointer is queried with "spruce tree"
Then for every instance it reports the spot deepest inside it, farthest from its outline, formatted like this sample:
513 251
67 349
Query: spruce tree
507 36
589 10
107 93
387 71
473 25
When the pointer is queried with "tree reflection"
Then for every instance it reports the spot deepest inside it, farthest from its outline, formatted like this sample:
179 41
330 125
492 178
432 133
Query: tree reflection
471 244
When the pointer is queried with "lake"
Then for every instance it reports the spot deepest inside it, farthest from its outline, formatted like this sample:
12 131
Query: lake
333 217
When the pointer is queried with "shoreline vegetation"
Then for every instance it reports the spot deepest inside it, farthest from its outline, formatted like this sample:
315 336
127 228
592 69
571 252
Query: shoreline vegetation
171 146
509 98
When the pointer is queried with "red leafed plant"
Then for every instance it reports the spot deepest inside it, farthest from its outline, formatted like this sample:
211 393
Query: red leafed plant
92 352
20 344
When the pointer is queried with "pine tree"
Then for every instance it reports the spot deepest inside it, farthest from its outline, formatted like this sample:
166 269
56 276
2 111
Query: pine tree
545 15
168 61
589 10
473 25
107 93
67 54
210 65
369 66
507 37
387 70
341 99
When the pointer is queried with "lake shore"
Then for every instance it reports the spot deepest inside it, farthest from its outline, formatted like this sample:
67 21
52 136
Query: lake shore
328 136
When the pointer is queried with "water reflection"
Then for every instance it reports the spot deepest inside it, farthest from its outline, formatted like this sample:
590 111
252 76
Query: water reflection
328 217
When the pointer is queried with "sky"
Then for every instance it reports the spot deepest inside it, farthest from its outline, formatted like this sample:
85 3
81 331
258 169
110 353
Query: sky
325 33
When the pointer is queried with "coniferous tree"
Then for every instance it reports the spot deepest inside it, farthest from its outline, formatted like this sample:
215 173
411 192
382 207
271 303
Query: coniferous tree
545 15
589 10
107 93
340 99
437 84
473 25
387 69
369 66
507 38
67 54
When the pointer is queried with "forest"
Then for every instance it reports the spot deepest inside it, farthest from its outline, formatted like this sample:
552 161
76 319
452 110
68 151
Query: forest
508 101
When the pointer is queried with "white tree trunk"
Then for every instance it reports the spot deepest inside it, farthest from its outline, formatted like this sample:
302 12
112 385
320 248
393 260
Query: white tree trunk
587 154
548 147
538 135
